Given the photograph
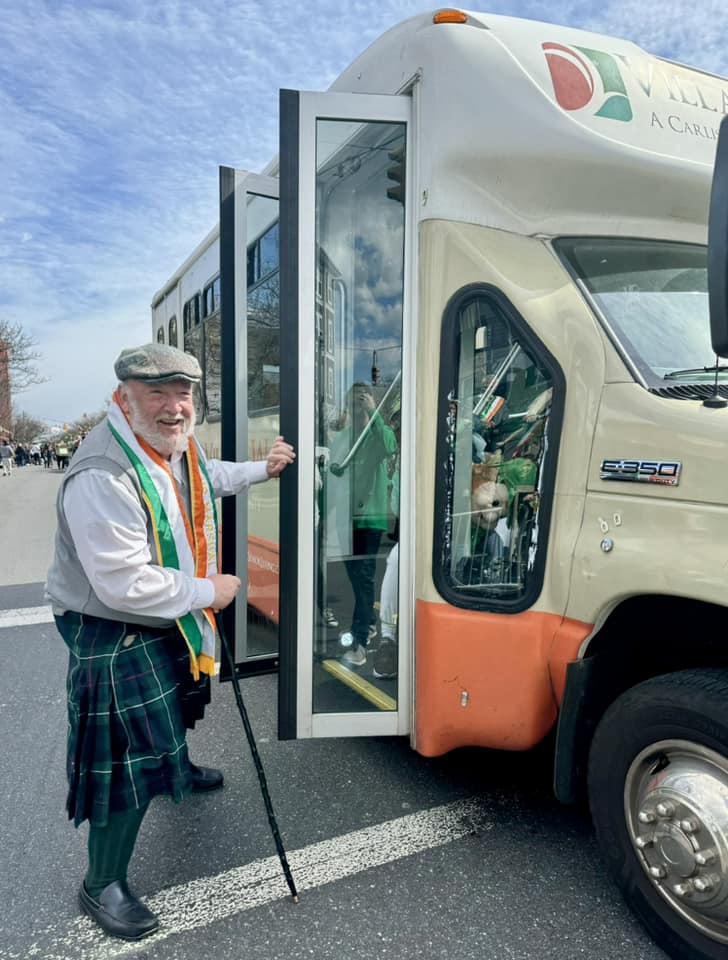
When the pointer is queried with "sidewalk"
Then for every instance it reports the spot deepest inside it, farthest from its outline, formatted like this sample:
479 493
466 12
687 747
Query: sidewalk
27 523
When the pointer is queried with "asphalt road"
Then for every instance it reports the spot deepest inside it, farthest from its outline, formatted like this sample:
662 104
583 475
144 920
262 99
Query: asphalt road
396 856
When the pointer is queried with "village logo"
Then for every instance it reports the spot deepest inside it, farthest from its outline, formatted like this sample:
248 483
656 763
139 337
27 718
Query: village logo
584 77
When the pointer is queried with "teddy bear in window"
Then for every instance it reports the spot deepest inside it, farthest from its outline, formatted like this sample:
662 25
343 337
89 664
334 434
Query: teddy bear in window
489 503
489 498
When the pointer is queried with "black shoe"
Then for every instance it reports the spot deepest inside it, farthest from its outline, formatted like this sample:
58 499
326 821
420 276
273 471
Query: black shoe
118 912
205 779
384 663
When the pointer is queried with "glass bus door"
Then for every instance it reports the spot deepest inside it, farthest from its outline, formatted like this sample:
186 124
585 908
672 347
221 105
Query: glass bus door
345 369
250 384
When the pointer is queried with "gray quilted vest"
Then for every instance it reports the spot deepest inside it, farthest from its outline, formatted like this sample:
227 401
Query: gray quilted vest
68 587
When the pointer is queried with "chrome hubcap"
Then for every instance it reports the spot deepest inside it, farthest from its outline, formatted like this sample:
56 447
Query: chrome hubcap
676 805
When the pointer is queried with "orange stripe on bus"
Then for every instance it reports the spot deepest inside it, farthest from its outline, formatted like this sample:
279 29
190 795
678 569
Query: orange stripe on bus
264 576
488 679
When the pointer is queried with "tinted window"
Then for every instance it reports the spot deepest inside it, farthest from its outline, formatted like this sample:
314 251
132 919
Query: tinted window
495 432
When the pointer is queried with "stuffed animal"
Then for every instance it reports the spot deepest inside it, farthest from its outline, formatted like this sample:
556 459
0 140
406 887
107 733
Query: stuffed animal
489 499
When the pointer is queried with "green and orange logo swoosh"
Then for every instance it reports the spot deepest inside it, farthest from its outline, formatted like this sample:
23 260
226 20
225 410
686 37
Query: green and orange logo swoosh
587 78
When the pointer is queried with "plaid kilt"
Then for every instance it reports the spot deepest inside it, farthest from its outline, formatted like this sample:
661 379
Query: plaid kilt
131 697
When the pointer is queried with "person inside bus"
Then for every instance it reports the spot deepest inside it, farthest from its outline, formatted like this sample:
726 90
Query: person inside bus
134 593
384 661
506 452
516 441
487 426
366 474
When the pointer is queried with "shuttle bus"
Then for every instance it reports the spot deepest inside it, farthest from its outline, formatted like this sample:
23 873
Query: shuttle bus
472 290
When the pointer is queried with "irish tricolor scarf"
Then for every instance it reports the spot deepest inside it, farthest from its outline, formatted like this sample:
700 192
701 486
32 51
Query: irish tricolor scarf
184 542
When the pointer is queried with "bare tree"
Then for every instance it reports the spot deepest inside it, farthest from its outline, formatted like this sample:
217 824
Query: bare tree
26 429
81 426
18 371
22 356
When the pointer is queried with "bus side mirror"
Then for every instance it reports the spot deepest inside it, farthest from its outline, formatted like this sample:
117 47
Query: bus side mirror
718 246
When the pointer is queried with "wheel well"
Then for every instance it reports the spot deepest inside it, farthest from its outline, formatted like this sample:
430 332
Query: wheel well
642 637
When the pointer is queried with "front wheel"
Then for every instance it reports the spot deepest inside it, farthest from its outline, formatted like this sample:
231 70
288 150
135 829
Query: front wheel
658 791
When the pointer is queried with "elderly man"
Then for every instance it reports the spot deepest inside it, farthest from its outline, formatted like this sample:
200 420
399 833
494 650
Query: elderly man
134 586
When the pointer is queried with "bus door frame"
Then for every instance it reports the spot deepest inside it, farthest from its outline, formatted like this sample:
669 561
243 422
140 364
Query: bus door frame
236 187
299 113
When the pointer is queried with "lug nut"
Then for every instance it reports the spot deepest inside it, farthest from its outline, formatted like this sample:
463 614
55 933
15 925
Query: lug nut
689 825
658 873
665 809
646 816
683 889
703 884
645 841
704 857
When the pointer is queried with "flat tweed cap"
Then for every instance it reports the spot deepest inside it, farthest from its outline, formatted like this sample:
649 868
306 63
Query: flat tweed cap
156 363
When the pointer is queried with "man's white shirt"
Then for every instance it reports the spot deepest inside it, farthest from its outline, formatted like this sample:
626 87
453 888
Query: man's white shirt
109 528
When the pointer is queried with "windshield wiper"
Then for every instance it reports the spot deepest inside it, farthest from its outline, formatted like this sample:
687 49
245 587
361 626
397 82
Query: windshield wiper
676 374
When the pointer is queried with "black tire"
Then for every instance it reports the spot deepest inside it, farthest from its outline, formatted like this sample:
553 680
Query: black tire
686 707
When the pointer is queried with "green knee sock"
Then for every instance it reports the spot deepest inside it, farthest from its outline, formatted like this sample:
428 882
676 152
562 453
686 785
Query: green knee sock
110 849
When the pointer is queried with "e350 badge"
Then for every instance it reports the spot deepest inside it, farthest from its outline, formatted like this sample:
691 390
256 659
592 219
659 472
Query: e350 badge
666 472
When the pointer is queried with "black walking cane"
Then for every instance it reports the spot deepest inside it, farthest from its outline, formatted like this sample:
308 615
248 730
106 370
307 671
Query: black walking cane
258 764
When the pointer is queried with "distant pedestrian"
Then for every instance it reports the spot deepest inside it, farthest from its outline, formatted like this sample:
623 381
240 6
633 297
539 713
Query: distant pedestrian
6 458
63 455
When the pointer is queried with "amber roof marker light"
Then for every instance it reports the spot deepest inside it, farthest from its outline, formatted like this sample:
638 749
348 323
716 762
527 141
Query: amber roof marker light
450 16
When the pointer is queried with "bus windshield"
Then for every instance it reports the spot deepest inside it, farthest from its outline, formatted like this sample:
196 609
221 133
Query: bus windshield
653 297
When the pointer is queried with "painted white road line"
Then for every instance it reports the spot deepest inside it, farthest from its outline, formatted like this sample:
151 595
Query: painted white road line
25 616
199 903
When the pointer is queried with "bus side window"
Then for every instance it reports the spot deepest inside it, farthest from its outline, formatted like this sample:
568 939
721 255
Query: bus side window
192 332
213 366
497 425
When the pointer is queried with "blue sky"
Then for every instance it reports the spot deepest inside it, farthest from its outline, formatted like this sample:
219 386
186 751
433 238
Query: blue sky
115 116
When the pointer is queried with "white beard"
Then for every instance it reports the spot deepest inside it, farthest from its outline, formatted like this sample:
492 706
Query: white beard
147 429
